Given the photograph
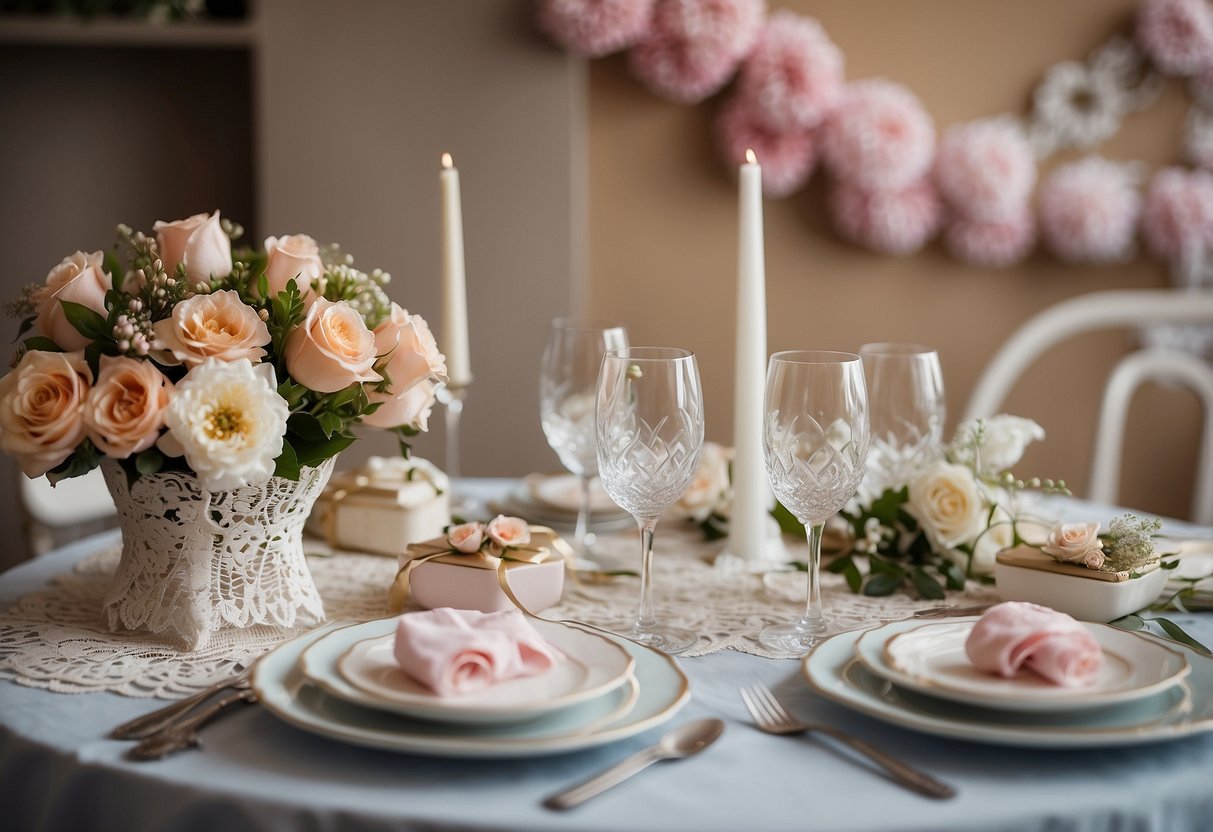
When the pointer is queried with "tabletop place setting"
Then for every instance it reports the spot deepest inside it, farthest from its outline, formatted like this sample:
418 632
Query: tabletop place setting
851 595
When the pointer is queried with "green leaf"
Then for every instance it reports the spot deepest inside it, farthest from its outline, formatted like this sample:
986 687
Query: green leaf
149 462
880 566
851 572
839 565
263 285
26 325
1177 634
788 524
712 528
84 459
1129 622
927 586
42 344
306 427
330 423
113 267
887 506
87 322
287 463
311 454
955 577
882 585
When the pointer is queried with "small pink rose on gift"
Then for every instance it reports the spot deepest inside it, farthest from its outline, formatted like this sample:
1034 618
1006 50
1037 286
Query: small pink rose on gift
294 257
331 349
41 409
125 409
1075 543
466 537
218 325
80 279
199 243
508 531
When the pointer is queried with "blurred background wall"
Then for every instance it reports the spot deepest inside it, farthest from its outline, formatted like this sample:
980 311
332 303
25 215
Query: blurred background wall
581 192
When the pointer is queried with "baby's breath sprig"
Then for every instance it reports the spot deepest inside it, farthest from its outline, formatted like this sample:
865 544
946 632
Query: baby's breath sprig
144 250
25 305
158 290
364 292
133 332
1129 543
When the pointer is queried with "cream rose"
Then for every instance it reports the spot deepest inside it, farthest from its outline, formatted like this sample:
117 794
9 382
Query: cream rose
125 409
1003 441
81 279
295 257
710 489
466 537
41 409
331 349
411 408
945 499
217 325
508 531
199 243
1075 543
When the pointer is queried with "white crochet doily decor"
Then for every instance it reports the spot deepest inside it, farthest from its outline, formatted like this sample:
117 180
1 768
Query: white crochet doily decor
195 562
56 638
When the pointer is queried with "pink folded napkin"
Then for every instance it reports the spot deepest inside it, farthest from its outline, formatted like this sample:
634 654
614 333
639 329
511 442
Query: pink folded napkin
460 651
1053 645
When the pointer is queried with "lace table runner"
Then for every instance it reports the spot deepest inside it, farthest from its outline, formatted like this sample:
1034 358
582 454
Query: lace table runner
55 638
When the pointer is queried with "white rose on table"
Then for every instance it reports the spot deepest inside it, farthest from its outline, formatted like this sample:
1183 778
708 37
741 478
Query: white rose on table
228 420
1075 543
948 504
294 257
42 409
710 490
1000 535
1003 441
199 243
81 279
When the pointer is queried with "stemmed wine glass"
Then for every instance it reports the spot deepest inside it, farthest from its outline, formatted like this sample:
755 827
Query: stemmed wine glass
568 384
815 438
650 433
905 393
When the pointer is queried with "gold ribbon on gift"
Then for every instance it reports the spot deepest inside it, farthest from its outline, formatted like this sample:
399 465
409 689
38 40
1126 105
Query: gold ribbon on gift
546 546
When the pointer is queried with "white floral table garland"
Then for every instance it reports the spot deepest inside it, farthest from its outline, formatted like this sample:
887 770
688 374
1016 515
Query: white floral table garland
55 638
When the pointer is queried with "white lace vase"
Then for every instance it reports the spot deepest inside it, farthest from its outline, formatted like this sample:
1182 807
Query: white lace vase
195 562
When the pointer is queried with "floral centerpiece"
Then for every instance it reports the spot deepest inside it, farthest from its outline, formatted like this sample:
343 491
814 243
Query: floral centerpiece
214 385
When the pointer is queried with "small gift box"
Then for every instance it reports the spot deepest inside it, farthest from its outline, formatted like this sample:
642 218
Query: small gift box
383 507
1026 574
482 574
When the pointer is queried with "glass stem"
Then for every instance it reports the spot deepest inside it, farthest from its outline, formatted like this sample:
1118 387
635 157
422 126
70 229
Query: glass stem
583 517
813 620
646 618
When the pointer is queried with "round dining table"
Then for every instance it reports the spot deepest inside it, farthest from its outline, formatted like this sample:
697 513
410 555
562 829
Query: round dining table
58 771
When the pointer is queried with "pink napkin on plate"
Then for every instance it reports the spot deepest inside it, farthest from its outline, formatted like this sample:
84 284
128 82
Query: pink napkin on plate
1017 634
455 651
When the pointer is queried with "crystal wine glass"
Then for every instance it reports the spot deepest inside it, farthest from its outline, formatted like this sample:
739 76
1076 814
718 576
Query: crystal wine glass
650 433
815 438
568 384
905 394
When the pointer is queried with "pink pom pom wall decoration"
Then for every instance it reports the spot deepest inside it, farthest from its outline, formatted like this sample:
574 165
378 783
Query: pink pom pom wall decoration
1089 211
595 27
1177 34
787 159
1178 212
794 75
985 169
693 48
891 222
879 137
993 243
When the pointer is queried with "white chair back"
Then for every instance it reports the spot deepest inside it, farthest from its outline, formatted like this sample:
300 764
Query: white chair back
50 509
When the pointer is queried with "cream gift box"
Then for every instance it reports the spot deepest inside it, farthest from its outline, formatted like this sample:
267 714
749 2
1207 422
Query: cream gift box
436 576
1026 574
383 507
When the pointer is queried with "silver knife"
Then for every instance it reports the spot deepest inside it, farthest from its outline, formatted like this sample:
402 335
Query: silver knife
184 734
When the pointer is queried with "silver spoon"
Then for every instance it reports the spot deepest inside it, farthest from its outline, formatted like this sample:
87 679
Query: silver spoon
684 741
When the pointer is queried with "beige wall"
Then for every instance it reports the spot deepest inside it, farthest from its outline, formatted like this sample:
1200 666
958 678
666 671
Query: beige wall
663 249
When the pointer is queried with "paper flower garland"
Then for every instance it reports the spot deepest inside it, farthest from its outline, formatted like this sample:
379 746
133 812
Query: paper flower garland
893 190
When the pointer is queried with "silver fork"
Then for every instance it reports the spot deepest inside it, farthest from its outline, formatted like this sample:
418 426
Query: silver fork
772 717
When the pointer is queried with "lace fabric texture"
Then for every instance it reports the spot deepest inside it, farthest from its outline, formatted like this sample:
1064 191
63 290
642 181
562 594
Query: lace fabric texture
57 638
195 562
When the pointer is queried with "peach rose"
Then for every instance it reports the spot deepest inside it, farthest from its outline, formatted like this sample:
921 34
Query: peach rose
294 257
80 279
1075 543
217 325
125 410
412 407
41 409
466 537
508 531
331 349
200 243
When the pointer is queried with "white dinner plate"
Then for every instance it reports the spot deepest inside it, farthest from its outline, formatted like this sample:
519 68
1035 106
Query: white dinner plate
562 492
833 671
357 664
930 659
284 691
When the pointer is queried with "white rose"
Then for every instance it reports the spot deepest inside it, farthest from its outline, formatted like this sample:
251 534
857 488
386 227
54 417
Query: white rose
1000 535
710 490
948 504
1074 543
228 420
1003 441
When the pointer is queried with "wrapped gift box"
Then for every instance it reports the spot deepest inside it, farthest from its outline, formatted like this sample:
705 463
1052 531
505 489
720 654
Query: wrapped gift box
441 578
383 507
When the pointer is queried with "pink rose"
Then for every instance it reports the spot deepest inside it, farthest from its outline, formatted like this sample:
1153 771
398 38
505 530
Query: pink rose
412 407
80 279
331 349
295 257
217 325
41 409
413 361
1075 543
125 410
466 537
200 243
508 531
